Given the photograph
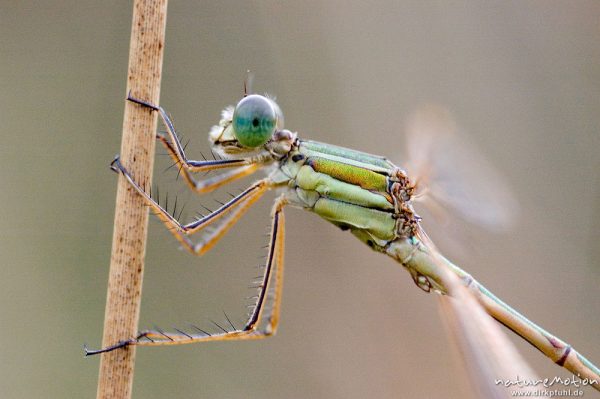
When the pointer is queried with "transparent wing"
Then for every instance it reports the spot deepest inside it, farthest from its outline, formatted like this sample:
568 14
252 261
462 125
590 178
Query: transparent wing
489 358
451 173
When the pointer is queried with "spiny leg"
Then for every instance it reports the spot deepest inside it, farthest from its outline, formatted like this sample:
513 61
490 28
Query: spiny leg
178 150
231 211
276 247
251 330
214 182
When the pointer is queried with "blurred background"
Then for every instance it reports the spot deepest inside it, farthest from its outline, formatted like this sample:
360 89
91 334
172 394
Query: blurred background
521 77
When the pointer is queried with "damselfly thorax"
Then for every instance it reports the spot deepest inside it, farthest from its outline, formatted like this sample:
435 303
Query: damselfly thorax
368 196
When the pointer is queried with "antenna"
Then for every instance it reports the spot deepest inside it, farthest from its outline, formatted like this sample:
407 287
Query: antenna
248 83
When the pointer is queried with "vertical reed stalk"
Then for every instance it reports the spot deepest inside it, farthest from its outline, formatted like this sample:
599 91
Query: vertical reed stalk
131 216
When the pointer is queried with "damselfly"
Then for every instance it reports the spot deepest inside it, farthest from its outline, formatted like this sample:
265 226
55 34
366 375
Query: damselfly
364 194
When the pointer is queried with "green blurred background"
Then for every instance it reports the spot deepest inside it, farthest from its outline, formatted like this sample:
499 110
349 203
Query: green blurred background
523 78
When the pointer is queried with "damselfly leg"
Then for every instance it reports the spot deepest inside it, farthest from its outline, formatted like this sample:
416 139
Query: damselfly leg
229 213
262 321
176 150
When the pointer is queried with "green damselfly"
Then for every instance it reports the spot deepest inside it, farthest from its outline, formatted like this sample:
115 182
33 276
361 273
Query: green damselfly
364 194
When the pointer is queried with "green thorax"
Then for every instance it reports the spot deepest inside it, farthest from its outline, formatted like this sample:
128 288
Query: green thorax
373 162
351 189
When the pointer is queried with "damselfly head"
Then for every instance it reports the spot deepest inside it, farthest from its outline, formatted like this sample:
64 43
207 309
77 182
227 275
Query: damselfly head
248 126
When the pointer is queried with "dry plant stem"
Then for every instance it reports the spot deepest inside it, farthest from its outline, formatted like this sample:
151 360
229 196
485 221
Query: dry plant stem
131 216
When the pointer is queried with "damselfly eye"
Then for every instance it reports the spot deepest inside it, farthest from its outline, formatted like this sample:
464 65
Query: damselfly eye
254 120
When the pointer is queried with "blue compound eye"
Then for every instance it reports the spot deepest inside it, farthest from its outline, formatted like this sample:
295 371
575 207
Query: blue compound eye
254 121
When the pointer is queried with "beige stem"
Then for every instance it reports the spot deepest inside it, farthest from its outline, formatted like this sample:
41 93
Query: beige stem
131 215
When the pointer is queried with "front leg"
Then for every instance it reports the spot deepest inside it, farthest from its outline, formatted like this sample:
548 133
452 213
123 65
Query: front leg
211 183
176 150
